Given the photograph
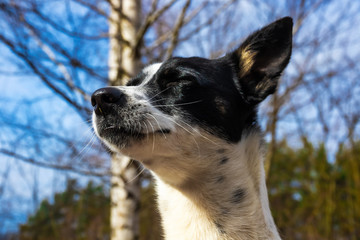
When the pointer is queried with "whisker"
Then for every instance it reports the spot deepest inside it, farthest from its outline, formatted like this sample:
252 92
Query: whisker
158 100
153 148
87 123
174 122
137 175
147 129
178 104
139 128
72 146
82 153
193 135
206 138
158 93
88 148
89 142
188 125
157 122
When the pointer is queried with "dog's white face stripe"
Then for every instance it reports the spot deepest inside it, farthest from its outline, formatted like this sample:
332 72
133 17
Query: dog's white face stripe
193 123
150 71
138 91
136 95
156 119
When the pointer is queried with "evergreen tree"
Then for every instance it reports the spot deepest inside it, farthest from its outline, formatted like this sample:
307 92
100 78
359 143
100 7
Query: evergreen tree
84 214
313 198
76 213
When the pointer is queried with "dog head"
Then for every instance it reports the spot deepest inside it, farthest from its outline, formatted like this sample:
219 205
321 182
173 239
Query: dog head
172 107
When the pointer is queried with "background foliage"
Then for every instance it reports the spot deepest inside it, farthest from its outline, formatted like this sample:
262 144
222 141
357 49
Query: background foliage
55 175
313 198
310 198
77 213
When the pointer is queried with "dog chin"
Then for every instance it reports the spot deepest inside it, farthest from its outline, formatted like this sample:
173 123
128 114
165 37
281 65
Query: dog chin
118 138
125 142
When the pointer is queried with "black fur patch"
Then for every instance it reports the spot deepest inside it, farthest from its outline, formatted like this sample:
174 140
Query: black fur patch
218 95
223 161
238 195
181 81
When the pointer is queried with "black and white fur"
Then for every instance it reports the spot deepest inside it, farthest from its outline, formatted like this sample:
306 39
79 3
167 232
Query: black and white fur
193 123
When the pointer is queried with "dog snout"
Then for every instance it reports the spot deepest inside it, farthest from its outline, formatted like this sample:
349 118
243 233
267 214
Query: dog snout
104 99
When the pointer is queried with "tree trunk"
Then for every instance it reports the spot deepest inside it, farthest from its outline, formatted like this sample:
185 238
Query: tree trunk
123 64
272 129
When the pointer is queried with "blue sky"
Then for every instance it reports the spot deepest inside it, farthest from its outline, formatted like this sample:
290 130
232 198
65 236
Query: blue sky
27 101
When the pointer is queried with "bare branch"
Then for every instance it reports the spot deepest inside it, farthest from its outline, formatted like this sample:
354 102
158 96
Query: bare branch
51 165
42 76
93 8
150 19
65 30
161 39
3 178
175 33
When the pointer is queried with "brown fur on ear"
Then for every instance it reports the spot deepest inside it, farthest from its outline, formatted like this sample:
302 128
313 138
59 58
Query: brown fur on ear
246 60
261 58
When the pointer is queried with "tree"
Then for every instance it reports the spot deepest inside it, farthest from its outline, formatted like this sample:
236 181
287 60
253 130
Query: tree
311 93
124 23
52 49
312 197
74 214
67 49
84 213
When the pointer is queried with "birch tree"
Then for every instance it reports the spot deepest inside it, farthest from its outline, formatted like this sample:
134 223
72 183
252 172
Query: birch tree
74 47
64 50
124 23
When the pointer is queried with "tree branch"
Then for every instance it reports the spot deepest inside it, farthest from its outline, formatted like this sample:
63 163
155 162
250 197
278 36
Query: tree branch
161 39
51 165
150 19
176 31
32 66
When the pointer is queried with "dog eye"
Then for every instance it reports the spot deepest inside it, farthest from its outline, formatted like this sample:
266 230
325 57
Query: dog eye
179 82
171 84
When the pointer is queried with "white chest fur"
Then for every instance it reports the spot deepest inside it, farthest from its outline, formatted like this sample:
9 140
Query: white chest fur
226 200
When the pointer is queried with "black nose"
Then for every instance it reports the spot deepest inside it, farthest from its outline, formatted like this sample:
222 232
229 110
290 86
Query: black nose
104 99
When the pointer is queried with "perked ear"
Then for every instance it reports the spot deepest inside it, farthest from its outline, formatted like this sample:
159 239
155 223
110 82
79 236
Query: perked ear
261 58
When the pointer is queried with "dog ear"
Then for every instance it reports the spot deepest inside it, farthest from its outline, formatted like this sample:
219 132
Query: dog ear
261 58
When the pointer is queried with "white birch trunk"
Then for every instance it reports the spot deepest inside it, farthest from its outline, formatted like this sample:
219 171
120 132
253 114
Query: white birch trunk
123 64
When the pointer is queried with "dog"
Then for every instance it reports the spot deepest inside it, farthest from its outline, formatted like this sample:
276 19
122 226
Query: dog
193 123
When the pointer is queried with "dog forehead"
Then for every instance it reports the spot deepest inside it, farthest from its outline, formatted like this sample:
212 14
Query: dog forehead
214 73
191 64
150 71
145 75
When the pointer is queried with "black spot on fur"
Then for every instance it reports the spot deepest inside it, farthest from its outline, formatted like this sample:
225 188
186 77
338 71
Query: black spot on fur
221 150
220 179
130 195
238 195
163 131
225 211
220 227
223 160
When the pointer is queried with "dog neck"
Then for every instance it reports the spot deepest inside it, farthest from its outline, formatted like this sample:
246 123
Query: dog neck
221 195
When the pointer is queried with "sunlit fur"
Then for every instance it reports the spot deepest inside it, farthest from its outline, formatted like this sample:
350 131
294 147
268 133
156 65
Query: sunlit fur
194 189
193 123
